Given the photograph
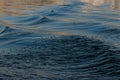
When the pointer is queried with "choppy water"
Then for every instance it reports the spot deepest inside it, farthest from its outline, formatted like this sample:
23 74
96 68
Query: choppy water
65 40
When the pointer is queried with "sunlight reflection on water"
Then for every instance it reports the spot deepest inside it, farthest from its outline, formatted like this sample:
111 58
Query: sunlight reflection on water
18 7
14 7
114 4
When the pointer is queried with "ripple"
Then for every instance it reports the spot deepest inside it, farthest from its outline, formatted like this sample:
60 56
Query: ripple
70 55
60 43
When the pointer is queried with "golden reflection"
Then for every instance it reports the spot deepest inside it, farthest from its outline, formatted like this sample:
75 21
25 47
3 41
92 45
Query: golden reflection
115 4
17 7
95 2
11 7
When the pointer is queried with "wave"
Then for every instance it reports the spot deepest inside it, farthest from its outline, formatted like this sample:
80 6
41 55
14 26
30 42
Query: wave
7 29
26 19
30 21
70 18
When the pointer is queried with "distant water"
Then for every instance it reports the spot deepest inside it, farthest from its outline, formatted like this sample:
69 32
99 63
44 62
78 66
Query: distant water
65 40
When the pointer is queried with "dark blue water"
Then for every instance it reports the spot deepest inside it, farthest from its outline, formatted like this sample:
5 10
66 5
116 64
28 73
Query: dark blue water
68 40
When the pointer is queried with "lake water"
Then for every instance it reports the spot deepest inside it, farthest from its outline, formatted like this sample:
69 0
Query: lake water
59 40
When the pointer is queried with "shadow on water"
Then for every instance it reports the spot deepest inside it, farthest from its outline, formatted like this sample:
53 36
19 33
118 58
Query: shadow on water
65 58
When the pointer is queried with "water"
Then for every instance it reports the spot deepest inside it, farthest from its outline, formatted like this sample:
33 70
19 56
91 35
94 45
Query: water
59 40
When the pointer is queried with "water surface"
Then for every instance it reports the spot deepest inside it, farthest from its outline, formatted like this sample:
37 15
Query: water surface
59 40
